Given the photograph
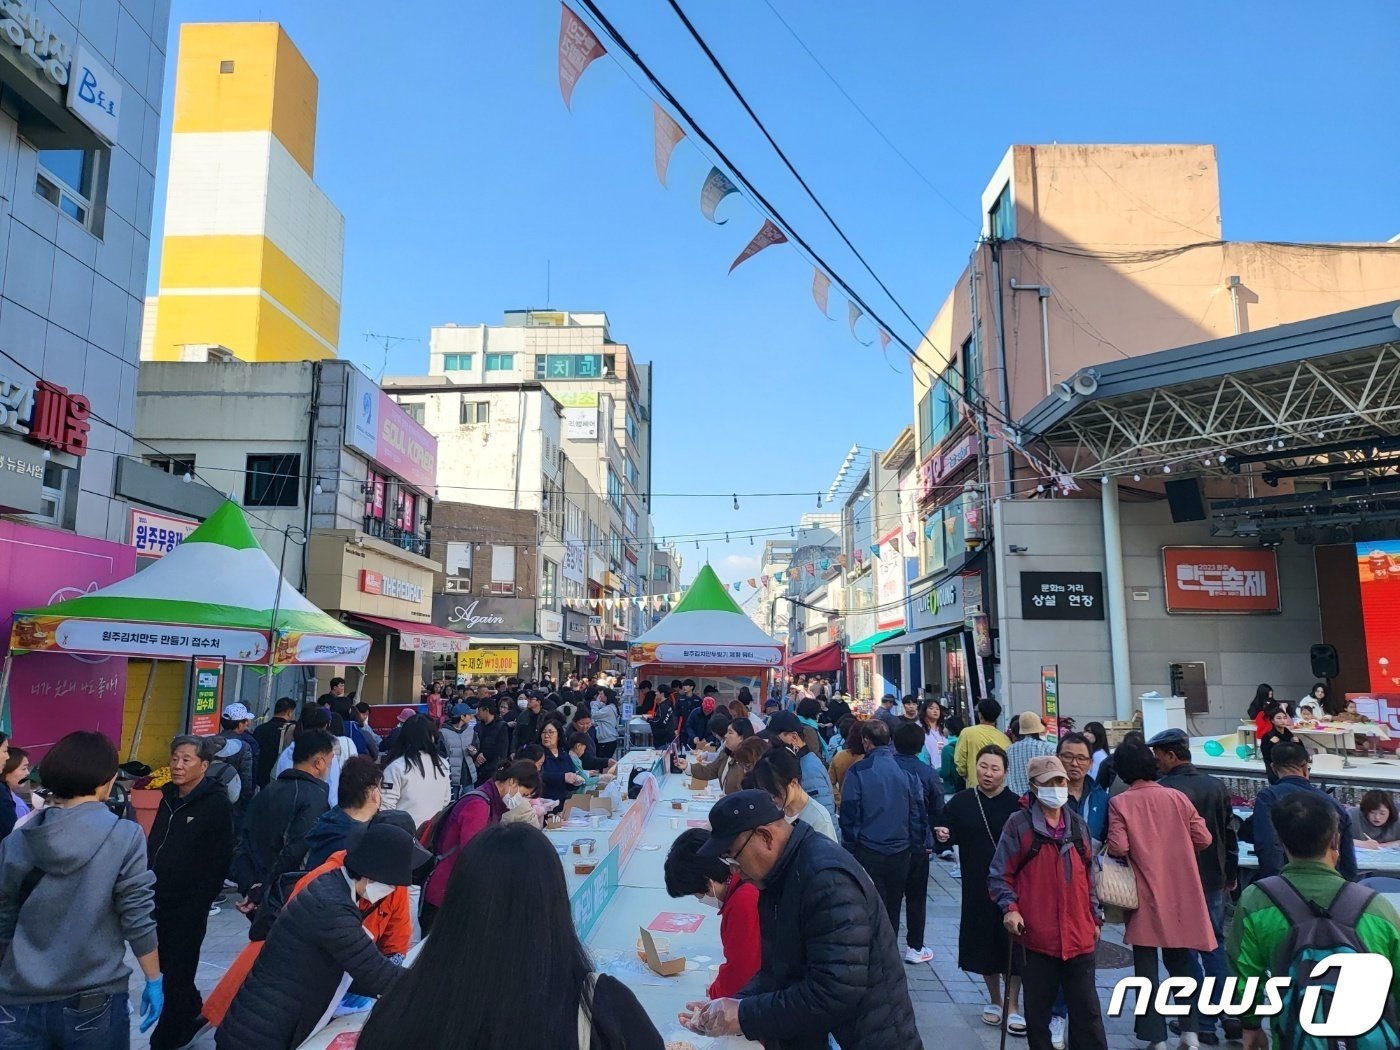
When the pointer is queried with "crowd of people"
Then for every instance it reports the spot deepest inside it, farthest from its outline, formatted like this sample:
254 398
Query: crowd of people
345 848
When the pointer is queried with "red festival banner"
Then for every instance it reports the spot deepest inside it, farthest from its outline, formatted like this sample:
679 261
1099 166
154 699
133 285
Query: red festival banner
668 133
766 237
578 47
1221 580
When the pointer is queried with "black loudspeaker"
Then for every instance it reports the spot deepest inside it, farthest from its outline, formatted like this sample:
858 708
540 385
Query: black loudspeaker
1187 501
1324 661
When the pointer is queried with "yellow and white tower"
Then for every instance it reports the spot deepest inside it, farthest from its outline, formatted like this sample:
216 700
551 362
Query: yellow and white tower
253 250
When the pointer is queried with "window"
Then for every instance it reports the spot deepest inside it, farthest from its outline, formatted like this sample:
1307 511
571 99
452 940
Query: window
458 561
925 418
1001 220
629 519
549 585
457 362
177 465
271 481
414 410
660 572
972 366
632 427
53 503
614 489
65 179
502 570
615 547
573 518
500 362
631 469
226 66
476 411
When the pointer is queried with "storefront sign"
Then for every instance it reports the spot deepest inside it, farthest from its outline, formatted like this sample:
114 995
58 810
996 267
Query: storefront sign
95 95
377 426
1221 580
484 615
372 582
551 625
21 476
972 595
52 694
889 582
1061 596
206 694
489 662
581 424
45 413
156 535
22 29
1050 698
163 641
573 566
957 456
575 627
928 476
431 643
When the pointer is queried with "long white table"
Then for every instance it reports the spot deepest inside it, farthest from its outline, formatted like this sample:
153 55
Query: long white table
626 891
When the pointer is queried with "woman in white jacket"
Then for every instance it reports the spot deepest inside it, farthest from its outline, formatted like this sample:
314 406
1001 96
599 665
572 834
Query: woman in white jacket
417 779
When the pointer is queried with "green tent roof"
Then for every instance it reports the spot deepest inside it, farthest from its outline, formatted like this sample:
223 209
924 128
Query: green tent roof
871 641
707 594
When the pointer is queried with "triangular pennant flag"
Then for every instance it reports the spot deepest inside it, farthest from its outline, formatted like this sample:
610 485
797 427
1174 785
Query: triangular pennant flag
853 313
765 580
875 550
841 561
717 186
767 236
578 47
860 555
752 582
780 576
667 133
824 564
884 339
735 585
811 569
821 289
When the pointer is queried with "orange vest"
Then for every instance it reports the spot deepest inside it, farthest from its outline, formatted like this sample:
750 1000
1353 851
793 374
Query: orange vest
390 923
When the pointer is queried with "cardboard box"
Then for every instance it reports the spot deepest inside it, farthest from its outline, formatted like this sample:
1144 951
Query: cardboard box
587 804
665 965
698 785
678 803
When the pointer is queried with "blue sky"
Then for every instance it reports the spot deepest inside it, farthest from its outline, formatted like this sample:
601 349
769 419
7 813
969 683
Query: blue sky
444 142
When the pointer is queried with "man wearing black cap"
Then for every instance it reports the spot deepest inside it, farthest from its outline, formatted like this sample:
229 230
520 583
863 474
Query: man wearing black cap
830 964
1218 864
784 727
317 938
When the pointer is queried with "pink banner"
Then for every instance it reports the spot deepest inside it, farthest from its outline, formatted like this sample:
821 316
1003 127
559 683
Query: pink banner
578 47
821 289
667 133
768 236
50 693
854 314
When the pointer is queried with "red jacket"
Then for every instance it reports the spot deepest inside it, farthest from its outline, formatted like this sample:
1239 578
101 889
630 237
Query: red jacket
1054 890
739 936
466 818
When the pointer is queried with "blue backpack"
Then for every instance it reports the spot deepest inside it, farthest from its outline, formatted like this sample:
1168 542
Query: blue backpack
1316 933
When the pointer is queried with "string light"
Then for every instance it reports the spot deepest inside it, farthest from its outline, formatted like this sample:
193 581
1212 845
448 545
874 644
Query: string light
317 489
1137 477
736 501
1220 459
188 477
1167 469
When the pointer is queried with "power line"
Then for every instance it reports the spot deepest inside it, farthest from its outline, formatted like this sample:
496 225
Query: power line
866 116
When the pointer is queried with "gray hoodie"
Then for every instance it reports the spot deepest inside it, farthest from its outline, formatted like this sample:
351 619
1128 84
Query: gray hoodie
96 896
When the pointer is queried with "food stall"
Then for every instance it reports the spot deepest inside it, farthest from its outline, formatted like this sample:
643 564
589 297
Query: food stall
707 637
216 599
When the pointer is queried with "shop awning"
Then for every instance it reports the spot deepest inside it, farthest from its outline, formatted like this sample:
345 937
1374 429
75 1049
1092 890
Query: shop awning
815 661
420 637
487 640
921 636
866 644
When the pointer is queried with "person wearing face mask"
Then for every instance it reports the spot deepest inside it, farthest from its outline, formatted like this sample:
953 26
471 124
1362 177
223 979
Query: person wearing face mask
1159 832
388 922
830 965
507 791
778 772
1042 880
709 880
317 940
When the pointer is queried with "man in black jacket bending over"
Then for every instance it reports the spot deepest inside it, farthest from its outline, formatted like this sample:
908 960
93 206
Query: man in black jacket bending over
830 963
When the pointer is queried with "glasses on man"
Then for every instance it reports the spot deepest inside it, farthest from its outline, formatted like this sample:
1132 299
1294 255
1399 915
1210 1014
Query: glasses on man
1078 760
732 861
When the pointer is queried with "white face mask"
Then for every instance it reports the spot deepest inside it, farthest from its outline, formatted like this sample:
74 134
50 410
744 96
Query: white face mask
710 900
376 891
1052 797
521 703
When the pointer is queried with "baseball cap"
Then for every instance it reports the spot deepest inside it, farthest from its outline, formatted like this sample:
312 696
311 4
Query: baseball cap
1029 724
1170 738
735 814
1043 767
462 710
237 713
784 722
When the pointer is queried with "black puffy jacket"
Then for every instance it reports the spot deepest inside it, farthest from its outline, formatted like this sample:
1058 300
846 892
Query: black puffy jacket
830 961
191 844
274 830
318 936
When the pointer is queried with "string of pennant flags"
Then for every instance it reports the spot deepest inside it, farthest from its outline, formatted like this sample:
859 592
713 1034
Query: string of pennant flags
579 47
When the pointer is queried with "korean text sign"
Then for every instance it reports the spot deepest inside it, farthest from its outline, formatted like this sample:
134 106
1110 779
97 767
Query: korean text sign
1221 580
1061 596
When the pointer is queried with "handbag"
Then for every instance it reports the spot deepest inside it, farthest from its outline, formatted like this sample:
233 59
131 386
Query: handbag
1117 883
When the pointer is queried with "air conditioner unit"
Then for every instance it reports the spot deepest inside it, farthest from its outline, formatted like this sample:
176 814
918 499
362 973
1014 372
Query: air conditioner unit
457 585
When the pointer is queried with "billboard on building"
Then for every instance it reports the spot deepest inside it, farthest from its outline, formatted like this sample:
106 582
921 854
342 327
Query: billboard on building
377 426
889 582
1221 580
